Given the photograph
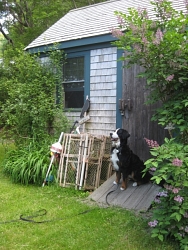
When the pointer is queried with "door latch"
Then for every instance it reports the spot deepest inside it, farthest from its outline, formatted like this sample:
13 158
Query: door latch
125 104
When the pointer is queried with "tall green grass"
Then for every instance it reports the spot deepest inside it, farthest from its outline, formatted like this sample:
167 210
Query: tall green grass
96 229
2 152
28 164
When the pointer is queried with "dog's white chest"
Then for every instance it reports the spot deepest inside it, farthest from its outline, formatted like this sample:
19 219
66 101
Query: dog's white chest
115 159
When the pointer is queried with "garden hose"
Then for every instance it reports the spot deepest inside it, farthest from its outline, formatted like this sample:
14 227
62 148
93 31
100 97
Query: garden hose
40 213
110 193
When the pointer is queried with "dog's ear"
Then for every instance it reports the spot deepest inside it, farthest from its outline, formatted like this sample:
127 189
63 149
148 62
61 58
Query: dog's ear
123 134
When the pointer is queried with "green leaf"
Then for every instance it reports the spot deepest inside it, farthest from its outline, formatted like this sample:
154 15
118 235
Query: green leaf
160 236
155 164
154 153
154 235
185 183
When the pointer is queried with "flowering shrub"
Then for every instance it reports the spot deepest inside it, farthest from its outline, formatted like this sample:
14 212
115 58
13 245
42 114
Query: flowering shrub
170 215
160 46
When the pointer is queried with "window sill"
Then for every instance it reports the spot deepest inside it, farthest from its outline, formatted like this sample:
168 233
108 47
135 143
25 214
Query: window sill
73 109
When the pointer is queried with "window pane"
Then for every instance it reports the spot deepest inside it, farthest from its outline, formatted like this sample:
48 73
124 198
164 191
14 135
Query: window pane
74 69
74 99
73 86
74 82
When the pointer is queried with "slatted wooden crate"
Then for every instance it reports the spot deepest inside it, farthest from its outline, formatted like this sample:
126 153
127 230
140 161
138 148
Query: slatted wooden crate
84 161
106 168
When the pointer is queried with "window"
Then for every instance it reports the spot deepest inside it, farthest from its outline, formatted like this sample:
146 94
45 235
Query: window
73 82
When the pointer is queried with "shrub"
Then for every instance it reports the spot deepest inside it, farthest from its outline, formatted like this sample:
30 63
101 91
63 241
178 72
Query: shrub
170 213
29 108
160 46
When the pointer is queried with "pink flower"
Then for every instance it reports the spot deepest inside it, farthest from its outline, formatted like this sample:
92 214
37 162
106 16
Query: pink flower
158 37
176 190
152 169
177 162
168 187
116 32
159 34
178 198
173 189
137 48
170 78
163 194
143 12
120 20
153 223
144 40
151 143
157 200
134 28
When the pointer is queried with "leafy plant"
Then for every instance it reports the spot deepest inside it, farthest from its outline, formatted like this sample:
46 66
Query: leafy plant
170 214
160 46
29 109
28 164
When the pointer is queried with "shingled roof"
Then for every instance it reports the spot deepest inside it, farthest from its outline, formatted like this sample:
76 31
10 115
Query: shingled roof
91 21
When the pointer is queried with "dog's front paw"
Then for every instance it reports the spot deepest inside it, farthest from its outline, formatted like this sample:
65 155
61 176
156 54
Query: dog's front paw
135 184
115 183
122 189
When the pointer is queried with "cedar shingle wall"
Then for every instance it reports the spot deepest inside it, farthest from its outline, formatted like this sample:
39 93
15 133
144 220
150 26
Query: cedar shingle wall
103 82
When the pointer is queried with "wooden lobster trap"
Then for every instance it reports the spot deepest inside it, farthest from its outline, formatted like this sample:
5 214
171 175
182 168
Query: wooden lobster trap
81 161
106 168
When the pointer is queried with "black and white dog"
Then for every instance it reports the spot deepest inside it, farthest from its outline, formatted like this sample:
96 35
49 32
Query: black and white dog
125 162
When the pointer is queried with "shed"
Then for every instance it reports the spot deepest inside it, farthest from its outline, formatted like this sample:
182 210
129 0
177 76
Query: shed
93 70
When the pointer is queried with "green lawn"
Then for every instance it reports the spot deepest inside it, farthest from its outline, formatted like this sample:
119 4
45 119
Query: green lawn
98 229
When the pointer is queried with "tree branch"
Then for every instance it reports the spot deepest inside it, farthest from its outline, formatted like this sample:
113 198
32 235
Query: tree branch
5 35
74 4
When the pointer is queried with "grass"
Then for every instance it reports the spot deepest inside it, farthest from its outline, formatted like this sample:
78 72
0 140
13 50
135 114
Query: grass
97 229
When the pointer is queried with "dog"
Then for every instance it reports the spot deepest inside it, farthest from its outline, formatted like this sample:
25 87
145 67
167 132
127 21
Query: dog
126 164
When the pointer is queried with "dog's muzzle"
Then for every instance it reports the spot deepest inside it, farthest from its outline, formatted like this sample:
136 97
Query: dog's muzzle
114 137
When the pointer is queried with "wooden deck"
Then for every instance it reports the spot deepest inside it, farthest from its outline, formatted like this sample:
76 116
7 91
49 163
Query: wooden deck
133 198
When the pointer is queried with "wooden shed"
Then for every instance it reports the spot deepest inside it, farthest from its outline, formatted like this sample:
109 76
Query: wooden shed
93 70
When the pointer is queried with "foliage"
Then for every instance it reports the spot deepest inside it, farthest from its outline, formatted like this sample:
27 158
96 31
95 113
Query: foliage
28 103
28 164
27 19
174 112
160 46
170 215
30 114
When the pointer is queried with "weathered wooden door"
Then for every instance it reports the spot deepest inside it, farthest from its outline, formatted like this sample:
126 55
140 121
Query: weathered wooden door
136 116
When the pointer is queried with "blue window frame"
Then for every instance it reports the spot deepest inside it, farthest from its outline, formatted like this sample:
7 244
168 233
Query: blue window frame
76 72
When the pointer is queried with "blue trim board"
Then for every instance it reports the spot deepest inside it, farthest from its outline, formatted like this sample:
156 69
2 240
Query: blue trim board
91 41
119 88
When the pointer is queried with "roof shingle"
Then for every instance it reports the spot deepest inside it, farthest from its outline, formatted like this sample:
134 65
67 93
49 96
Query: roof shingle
92 20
